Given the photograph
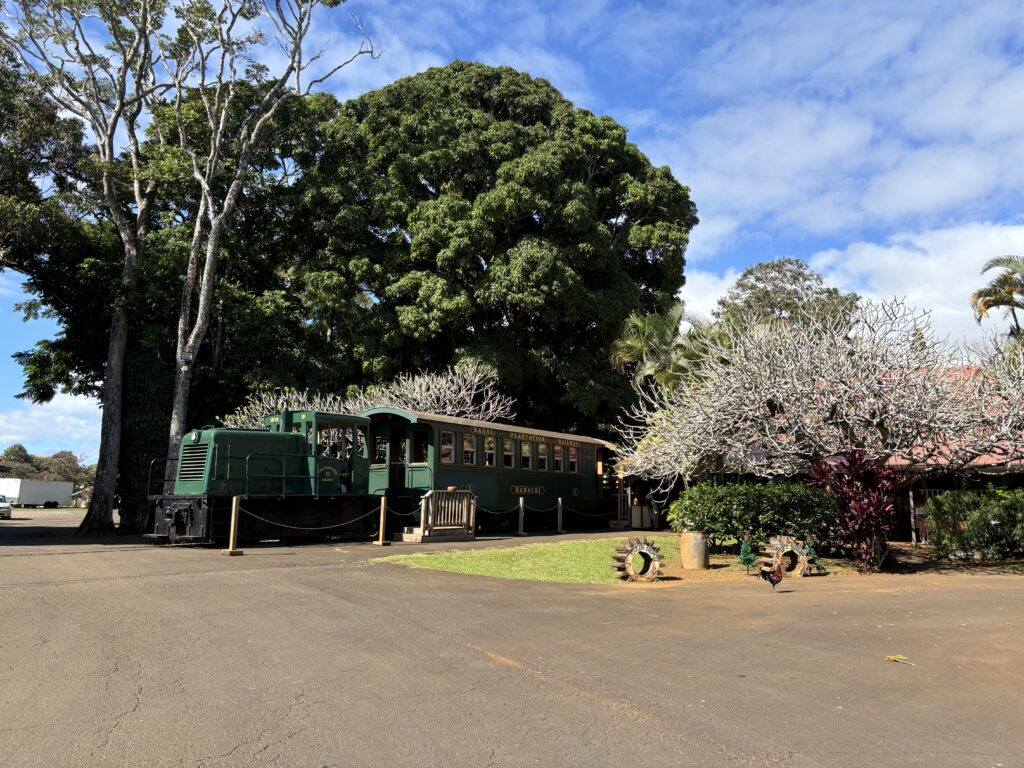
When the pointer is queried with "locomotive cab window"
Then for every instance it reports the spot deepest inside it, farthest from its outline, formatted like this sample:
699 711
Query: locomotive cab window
420 441
488 451
506 447
557 459
525 454
572 458
469 449
447 447
380 449
542 455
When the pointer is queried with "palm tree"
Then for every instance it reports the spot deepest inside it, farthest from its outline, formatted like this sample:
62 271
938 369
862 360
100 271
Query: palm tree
647 343
1005 291
656 347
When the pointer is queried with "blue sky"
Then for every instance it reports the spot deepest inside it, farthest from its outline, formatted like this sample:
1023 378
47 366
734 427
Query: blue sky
882 142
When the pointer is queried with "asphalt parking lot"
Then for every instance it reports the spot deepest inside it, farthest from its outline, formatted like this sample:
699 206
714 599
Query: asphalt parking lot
123 654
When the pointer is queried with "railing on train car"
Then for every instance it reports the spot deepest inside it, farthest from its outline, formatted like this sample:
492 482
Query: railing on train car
283 475
165 483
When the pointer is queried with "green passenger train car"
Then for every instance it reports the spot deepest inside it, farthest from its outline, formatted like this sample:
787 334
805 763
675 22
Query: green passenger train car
411 452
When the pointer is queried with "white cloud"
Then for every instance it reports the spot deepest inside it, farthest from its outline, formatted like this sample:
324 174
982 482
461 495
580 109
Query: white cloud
935 269
703 290
823 118
709 236
934 178
67 423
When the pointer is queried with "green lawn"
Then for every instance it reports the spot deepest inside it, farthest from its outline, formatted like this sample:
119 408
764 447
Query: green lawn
570 562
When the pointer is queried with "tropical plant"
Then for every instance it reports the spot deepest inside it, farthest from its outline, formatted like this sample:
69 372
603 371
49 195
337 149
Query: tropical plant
1005 291
649 344
863 488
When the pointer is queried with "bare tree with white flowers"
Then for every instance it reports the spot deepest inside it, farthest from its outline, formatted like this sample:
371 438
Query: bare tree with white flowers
467 390
773 398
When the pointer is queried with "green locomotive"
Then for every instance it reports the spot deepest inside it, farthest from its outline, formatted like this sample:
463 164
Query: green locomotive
307 471
324 473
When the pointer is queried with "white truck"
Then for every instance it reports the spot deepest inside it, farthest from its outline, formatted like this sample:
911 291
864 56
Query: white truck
37 493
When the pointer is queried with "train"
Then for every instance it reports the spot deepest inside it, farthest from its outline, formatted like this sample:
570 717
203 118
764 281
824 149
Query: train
309 473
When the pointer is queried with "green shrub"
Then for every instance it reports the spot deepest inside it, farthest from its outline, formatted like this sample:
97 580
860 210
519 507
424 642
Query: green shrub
968 524
732 510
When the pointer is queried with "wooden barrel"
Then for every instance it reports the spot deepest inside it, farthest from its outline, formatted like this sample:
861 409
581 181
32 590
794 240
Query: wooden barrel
693 550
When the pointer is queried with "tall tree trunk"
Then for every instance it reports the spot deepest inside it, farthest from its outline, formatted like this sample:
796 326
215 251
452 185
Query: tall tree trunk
100 516
188 346
179 412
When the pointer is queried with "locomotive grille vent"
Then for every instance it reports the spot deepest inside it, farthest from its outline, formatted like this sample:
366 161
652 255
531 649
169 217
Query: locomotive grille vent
193 463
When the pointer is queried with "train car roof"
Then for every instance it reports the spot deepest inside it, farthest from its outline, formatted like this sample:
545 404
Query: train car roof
324 416
417 416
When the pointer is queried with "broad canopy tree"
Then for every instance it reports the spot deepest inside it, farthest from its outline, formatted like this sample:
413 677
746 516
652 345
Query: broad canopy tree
483 215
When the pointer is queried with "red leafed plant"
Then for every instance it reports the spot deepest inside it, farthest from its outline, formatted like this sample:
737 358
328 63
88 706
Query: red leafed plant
863 488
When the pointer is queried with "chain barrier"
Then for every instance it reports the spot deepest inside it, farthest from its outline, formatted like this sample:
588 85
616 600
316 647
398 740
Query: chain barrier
589 514
549 509
400 514
491 512
304 528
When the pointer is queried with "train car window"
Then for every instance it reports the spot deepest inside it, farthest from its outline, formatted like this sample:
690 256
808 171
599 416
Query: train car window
488 451
360 446
419 447
557 459
572 459
542 455
525 454
506 447
469 449
380 449
447 447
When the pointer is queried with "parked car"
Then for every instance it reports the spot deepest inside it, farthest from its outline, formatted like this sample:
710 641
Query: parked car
5 508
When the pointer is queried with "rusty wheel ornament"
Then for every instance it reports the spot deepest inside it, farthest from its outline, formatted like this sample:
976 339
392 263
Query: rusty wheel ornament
638 560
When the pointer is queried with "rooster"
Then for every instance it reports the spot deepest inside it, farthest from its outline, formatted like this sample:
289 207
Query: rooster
773 575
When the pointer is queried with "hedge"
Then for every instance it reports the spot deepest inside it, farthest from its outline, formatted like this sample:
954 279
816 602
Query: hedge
971 524
734 510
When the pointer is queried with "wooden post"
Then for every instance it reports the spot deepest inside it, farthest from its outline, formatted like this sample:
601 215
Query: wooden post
233 535
559 516
913 516
472 514
522 515
381 541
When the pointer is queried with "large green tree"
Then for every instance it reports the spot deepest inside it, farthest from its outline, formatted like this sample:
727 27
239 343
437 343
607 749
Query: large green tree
781 289
484 216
